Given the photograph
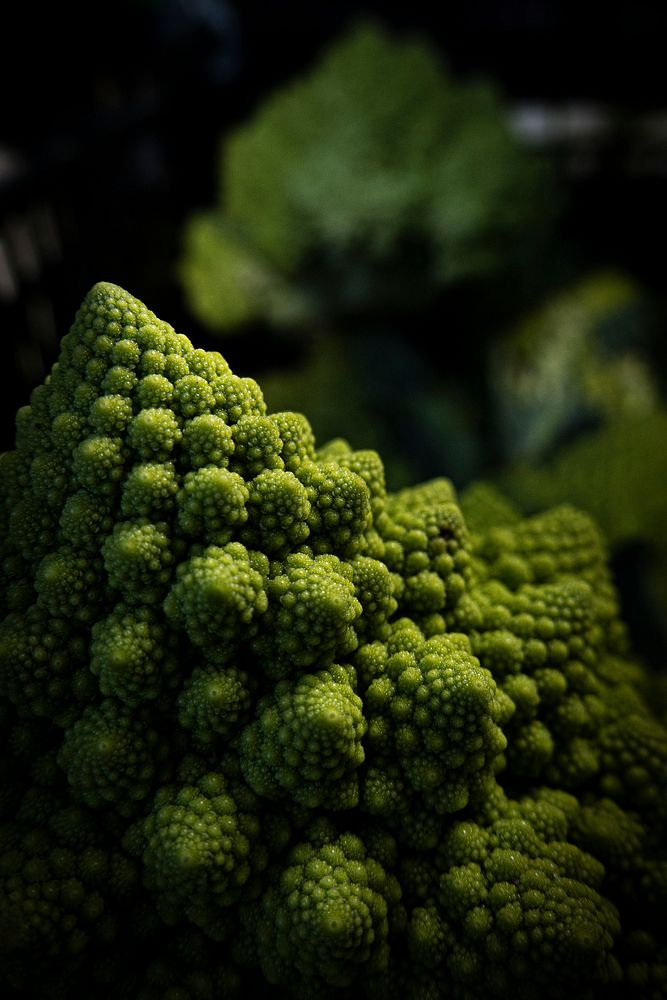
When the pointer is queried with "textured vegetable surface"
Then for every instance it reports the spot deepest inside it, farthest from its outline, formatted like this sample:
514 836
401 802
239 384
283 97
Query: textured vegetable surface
266 726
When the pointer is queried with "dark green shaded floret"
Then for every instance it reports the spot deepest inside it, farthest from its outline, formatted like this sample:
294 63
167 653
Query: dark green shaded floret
133 654
201 847
326 915
112 757
213 703
139 560
57 895
522 914
305 743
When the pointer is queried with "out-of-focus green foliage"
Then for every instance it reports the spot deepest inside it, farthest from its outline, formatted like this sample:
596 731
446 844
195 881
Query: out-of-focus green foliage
617 473
576 360
371 183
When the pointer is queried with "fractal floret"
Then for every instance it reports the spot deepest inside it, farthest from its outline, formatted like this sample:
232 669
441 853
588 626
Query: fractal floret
269 727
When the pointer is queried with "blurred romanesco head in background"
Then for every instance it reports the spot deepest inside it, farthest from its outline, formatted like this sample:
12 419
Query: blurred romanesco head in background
579 359
371 183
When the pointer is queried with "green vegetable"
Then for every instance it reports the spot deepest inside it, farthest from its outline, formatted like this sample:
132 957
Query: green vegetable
367 185
266 727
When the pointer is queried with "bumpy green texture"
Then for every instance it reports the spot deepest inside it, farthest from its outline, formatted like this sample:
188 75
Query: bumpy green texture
267 728
200 850
326 914
305 742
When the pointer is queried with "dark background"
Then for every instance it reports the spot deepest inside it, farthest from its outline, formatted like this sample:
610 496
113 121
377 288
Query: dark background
111 118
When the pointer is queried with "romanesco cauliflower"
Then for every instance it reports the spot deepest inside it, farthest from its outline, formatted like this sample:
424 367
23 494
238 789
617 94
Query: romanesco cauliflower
267 726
